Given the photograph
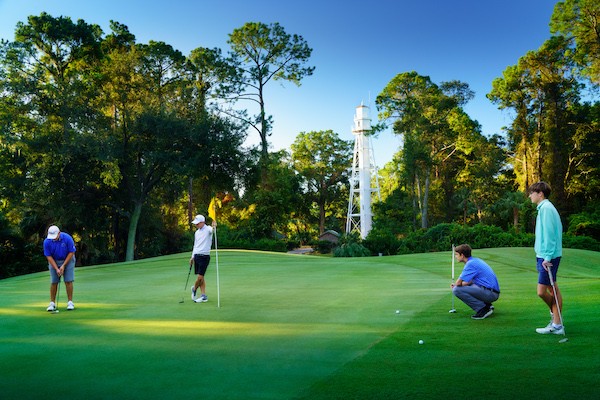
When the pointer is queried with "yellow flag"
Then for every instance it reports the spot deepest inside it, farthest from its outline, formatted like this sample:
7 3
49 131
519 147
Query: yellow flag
212 209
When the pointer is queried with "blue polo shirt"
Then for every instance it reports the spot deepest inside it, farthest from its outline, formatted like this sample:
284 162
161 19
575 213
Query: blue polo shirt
480 273
59 249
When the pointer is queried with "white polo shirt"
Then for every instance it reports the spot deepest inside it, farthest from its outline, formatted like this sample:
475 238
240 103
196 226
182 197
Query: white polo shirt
203 240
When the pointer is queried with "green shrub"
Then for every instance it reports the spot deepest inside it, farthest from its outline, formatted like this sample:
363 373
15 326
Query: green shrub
585 224
441 237
17 256
381 241
292 244
580 242
350 246
324 246
351 250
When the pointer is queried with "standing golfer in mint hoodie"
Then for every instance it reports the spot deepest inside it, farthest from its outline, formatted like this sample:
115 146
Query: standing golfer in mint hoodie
201 256
548 252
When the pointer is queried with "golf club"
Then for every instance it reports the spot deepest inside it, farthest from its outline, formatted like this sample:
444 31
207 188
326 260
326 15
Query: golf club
186 282
57 294
452 310
564 339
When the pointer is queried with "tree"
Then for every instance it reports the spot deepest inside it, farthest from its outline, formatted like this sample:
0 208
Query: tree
322 159
264 53
394 213
510 206
510 92
476 164
276 201
214 76
422 113
148 139
50 89
583 172
579 21
542 91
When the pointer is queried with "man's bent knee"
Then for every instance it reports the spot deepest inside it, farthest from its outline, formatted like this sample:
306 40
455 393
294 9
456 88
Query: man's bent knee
543 291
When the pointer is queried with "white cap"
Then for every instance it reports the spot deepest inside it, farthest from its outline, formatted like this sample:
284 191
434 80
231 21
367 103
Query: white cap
199 218
53 232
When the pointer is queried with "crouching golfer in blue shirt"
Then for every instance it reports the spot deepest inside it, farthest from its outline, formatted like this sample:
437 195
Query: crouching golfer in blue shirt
59 249
477 285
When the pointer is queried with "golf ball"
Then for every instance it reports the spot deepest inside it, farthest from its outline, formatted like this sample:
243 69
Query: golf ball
397 311
421 342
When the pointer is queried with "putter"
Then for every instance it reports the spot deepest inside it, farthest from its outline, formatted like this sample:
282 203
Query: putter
452 310
564 339
57 293
186 282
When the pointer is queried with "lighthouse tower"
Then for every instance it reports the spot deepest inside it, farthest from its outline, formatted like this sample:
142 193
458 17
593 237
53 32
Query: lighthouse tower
362 186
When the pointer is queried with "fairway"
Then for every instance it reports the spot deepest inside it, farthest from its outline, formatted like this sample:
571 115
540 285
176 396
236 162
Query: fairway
299 327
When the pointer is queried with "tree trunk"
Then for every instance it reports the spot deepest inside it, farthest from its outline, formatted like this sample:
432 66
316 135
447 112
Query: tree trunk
133 223
424 211
321 218
190 200
264 134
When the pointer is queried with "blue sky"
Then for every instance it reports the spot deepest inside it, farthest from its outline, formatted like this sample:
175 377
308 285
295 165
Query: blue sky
358 47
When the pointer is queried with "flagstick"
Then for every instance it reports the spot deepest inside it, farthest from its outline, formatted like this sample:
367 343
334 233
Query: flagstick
212 213
452 310
217 259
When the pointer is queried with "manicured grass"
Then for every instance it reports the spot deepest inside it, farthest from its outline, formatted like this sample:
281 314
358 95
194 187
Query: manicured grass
299 327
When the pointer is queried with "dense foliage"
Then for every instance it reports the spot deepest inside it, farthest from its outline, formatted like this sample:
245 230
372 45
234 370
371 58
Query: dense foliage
121 143
442 236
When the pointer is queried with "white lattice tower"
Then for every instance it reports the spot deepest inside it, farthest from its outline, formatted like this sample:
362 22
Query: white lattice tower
364 169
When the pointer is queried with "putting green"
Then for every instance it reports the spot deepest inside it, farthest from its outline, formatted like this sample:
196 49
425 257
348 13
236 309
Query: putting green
296 326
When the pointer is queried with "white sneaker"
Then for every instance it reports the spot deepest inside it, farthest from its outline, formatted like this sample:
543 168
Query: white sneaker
551 329
51 306
70 305
193 293
202 299
548 326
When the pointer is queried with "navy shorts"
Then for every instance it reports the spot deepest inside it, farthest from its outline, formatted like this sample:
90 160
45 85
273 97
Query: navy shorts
201 263
543 278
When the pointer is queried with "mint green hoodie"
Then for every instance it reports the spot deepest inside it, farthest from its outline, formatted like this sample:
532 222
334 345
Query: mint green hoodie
548 232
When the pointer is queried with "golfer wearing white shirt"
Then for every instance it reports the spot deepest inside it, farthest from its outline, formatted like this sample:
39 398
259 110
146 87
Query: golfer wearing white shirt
201 256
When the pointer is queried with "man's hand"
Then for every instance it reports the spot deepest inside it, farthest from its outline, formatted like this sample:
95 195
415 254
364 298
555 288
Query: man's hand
546 264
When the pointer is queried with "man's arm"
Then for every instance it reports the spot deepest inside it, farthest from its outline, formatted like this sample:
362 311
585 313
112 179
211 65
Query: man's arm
52 262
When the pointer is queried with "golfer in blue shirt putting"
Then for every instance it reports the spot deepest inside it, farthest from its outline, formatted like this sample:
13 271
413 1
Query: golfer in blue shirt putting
59 249
477 285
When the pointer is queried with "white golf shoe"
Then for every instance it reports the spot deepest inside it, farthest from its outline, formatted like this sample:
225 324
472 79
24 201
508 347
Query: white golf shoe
193 293
70 305
51 306
202 299
557 330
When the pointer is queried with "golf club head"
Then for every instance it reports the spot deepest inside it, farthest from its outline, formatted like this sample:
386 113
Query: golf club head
452 311
55 312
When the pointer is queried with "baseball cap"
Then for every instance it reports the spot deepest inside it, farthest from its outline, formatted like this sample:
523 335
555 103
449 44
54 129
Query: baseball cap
199 218
53 232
